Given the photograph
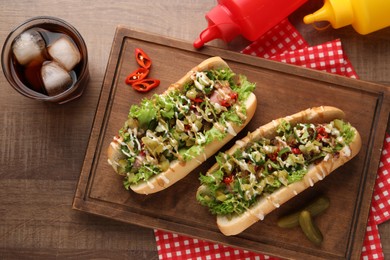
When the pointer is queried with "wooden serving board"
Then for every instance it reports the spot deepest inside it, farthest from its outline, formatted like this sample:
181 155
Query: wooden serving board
281 90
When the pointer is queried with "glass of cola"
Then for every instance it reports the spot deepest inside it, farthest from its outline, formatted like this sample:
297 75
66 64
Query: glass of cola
45 58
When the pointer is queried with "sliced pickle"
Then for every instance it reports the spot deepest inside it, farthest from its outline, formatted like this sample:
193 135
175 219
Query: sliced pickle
310 229
315 208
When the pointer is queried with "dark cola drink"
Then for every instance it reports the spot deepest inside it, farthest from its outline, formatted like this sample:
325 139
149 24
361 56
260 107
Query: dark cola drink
46 60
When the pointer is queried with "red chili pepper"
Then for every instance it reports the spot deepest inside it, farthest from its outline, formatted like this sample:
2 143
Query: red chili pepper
138 74
142 58
228 179
145 85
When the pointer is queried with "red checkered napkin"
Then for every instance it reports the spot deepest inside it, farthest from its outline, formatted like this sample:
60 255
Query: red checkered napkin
380 206
381 199
284 43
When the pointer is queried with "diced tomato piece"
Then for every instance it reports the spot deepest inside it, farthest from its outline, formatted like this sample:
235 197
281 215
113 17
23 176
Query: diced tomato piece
272 156
228 179
197 100
296 150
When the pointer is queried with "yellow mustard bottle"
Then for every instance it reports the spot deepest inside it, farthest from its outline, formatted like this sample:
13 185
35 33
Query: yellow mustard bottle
365 16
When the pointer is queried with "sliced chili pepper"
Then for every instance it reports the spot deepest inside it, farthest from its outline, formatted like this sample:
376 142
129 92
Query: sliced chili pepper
138 74
145 85
142 58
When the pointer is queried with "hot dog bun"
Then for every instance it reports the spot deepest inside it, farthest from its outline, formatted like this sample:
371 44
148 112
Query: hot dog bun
267 204
178 169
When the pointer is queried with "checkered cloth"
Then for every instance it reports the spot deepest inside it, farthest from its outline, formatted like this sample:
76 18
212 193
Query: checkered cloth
284 43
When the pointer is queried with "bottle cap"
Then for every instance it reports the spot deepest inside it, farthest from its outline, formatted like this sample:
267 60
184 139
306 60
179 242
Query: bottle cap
338 12
210 33
220 26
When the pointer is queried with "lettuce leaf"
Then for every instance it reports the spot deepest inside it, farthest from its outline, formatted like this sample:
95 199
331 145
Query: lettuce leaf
146 112
192 152
231 116
244 89
144 173
214 134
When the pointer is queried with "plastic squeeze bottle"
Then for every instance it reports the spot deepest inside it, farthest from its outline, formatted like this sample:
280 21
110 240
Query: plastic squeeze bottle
365 16
250 18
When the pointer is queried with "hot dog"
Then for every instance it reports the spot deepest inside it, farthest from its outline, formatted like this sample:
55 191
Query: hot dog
169 135
275 163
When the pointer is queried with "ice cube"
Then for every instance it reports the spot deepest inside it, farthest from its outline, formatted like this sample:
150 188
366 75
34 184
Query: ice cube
28 46
65 52
55 78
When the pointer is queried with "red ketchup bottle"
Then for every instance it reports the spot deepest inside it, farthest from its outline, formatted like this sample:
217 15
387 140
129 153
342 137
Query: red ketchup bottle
250 18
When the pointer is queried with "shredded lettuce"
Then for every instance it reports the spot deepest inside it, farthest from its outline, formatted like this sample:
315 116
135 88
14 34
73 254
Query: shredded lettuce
166 106
231 116
346 130
191 153
178 124
145 113
265 165
144 173
214 134
244 89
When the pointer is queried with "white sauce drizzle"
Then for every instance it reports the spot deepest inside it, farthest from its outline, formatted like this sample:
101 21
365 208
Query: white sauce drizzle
199 161
150 184
238 112
319 177
323 172
260 215
165 179
311 183
126 153
115 145
230 129
240 143
276 205
327 157
347 151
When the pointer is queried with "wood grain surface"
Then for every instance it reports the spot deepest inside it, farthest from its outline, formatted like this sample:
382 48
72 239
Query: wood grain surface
282 90
43 145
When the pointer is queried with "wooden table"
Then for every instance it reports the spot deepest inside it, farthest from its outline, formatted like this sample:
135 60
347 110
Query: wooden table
43 145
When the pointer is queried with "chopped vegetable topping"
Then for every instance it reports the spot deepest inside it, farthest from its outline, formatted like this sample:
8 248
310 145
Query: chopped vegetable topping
145 85
177 125
137 75
265 165
142 58
137 79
